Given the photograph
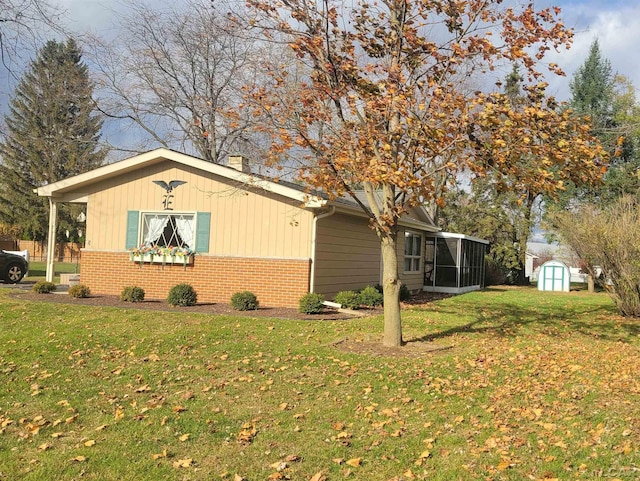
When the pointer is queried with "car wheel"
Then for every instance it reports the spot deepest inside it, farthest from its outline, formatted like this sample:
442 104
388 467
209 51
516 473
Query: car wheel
14 273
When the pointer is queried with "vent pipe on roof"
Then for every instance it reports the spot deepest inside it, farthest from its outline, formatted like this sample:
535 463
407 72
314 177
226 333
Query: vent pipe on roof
239 162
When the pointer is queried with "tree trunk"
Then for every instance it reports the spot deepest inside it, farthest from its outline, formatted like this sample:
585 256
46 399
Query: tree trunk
591 284
523 237
391 290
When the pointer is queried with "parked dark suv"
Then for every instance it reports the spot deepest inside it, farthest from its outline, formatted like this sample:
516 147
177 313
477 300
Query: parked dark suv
12 267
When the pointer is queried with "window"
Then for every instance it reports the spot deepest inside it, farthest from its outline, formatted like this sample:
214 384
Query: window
412 252
168 230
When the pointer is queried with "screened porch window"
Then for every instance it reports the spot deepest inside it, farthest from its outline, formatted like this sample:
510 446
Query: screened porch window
168 230
412 252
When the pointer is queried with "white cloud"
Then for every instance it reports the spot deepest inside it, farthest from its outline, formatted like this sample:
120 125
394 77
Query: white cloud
95 16
617 28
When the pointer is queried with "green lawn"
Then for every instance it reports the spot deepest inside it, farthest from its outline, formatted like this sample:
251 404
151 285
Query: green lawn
38 270
525 385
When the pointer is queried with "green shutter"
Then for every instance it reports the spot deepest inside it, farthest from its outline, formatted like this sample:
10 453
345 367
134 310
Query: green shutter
203 226
133 220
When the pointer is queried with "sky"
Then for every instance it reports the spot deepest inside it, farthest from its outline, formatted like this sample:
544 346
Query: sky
615 23
616 26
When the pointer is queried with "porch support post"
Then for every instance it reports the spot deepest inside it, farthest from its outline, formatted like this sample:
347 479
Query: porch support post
51 239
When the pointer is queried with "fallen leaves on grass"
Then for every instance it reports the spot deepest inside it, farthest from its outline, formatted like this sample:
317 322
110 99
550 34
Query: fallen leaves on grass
247 433
183 463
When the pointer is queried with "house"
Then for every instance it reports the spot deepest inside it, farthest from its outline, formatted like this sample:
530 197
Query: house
529 261
247 232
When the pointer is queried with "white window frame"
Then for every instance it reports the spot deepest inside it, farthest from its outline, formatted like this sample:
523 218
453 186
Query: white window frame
416 260
143 223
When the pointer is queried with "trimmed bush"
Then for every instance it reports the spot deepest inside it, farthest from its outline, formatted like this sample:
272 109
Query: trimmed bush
44 287
369 296
79 291
348 299
405 293
132 294
244 301
311 303
182 295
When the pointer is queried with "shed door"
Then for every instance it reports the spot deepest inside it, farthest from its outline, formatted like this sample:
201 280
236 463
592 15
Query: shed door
553 278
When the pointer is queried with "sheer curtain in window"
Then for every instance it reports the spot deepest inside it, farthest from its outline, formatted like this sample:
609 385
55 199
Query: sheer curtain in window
154 227
185 227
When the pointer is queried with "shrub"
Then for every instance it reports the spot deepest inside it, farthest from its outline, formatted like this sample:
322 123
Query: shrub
369 296
244 301
132 294
494 273
405 293
79 291
608 237
348 299
182 295
44 287
311 303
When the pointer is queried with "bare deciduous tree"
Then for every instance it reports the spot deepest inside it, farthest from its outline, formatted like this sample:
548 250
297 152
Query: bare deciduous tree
21 22
609 238
179 74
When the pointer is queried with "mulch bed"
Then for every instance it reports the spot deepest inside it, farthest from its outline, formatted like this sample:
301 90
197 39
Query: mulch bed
215 308
201 308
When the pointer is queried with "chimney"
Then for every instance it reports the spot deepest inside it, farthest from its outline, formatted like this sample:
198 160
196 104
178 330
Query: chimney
239 162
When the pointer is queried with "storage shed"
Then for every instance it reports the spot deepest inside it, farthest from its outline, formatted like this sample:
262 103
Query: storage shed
554 276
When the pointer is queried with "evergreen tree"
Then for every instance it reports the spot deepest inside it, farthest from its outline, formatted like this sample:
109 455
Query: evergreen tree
592 90
497 216
53 132
498 207
608 101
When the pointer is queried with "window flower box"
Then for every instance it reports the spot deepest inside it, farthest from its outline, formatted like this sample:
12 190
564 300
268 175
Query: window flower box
161 255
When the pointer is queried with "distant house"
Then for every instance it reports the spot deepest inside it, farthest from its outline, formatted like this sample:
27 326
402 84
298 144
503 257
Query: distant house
246 232
530 260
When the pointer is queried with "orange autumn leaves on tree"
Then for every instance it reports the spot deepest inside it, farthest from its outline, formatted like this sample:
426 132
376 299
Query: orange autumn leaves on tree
534 147
386 106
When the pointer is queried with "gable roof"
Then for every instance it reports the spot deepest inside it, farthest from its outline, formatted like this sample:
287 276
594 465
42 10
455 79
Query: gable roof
71 189
75 184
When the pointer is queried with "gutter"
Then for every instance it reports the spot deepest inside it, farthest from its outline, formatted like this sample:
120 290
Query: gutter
314 231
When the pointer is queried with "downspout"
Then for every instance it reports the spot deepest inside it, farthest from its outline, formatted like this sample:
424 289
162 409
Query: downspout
314 231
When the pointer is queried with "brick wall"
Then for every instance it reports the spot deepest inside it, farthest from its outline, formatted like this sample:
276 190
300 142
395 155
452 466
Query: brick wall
276 282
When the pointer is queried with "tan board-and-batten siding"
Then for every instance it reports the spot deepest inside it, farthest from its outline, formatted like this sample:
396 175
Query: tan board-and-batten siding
347 254
244 223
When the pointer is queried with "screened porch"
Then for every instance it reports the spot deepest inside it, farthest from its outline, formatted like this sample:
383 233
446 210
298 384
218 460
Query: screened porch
454 263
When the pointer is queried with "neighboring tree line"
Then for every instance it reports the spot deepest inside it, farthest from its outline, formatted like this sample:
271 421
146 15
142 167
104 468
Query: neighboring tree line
490 209
350 97
602 223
